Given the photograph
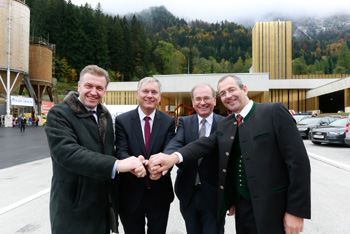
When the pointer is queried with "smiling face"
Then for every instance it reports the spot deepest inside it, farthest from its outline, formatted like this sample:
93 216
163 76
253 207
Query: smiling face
203 101
148 96
91 89
232 96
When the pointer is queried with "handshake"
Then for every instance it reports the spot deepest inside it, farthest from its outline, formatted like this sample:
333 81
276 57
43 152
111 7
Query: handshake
157 165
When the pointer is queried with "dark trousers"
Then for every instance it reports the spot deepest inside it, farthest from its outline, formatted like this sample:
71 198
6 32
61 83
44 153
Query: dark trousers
199 217
157 219
23 127
245 220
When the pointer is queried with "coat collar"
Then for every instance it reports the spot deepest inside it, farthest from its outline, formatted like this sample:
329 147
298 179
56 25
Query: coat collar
79 109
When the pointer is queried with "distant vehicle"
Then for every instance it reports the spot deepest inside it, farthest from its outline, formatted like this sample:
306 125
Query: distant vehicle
305 125
334 133
298 118
347 132
43 119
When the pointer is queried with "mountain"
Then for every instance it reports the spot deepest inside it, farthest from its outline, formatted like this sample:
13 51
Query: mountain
154 19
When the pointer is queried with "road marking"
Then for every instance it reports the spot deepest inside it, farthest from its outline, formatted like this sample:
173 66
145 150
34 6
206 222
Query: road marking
329 161
23 201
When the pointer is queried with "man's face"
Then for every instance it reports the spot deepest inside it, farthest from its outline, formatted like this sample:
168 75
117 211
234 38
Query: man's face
233 98
148 96
203 101
91 90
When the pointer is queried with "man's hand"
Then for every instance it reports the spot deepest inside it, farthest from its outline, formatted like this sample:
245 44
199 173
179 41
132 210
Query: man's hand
133 165
153 175
231 211
160 163
293 224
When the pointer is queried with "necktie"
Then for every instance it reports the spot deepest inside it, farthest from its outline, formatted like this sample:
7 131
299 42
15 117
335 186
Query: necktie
202 130
147 132
92 112
200 134
239 119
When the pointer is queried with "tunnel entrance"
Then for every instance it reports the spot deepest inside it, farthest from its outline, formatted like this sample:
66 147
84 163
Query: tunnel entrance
332 102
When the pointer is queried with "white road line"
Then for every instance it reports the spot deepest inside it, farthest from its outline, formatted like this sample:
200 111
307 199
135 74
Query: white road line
23 201
329 161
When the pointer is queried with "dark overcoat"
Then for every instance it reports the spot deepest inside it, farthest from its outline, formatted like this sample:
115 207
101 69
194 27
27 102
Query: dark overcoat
83 158
275 159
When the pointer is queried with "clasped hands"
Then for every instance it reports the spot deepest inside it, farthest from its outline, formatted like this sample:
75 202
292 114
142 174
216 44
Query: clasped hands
138 166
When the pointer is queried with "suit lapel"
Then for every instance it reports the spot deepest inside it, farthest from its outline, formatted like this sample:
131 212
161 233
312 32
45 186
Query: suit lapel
137 129
194 128
157 123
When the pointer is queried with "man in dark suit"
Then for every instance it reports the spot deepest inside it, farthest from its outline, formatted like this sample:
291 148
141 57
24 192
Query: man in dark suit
263 164
144 131
196 183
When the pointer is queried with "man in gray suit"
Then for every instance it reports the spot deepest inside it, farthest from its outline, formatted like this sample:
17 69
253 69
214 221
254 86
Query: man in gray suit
263 164
196 183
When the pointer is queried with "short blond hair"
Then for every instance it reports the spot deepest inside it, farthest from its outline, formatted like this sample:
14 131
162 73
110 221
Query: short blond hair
95 70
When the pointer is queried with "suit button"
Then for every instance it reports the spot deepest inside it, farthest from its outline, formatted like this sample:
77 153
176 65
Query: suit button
232 137
223 170
227 154
221 187
235 123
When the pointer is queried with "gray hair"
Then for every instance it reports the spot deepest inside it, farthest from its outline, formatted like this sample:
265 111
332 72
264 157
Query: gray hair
149 79
237 79
203 85
95 70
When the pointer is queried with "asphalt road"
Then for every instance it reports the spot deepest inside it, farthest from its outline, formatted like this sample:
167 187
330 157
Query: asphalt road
25 175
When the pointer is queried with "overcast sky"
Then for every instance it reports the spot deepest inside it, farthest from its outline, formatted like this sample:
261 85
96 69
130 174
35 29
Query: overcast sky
231 10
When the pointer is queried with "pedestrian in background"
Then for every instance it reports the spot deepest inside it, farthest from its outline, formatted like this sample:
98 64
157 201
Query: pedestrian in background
23 124
30 121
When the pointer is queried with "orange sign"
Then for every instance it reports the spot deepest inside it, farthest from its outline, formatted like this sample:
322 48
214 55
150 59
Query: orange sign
46 106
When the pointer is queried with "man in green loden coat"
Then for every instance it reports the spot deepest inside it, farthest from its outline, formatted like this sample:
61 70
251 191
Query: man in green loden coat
81 140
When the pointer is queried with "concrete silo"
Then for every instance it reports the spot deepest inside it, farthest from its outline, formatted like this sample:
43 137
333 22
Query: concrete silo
14 47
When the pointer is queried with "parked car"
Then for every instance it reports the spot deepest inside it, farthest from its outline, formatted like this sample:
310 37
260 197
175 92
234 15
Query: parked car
347 132
298 118
334 133
305 125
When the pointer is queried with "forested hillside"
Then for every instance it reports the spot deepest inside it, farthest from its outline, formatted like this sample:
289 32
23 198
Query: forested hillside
155 41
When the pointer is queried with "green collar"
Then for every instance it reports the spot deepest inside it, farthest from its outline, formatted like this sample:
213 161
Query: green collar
251 111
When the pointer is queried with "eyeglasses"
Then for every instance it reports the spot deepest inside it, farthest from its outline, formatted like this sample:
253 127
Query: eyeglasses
205 99
229 91
153 92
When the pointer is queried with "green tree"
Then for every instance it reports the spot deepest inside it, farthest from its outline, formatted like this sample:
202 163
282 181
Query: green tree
164 53
299 66
238 66
343 63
